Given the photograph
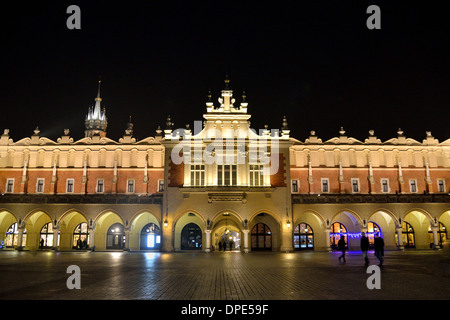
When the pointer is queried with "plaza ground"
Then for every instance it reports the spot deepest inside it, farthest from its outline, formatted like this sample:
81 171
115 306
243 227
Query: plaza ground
41 275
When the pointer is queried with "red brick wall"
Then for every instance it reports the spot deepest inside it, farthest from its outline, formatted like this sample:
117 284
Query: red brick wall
387 173
93 174
278 179
176 174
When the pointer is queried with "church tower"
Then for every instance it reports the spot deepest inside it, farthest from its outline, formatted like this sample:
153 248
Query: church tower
96 121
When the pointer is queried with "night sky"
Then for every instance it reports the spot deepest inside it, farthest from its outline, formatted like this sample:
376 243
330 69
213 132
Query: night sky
313 61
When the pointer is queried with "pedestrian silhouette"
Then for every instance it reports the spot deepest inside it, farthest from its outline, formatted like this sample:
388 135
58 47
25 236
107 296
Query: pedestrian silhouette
379 248
365 248
341 247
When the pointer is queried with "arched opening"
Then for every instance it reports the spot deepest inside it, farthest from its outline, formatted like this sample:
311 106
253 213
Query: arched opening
415 229
8 230
226 232
261 237
191 237
189 232
73 226
385 222
39 226
145 232
109 231
303 237
115 237
150 237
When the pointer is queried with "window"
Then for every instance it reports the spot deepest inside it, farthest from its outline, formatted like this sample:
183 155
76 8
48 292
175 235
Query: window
100 185
413 185
407 235
372 230
338 230
441 185
256 175
10 185
130 186
384 185
355 185
81 233
46 238
294 186
325 185
12 235
197 175
40 185
69 186
303 237
227 175
160 185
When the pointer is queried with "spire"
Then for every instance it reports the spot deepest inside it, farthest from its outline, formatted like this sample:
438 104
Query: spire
96 121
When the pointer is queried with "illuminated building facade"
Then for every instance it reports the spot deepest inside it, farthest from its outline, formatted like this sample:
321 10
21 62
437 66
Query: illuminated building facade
220 184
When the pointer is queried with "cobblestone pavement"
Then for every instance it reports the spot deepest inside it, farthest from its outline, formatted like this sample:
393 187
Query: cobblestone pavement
227 276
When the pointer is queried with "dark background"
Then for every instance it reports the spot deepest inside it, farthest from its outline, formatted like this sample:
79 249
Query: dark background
313 61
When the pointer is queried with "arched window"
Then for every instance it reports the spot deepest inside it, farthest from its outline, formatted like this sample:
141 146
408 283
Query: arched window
441 233
191 237
261 237
46 236
372 229
115 238
150 237
338 229
303 237
408 235
81 232
12 235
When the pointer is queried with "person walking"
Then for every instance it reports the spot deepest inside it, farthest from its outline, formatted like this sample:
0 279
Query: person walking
341 247
379 248
365 248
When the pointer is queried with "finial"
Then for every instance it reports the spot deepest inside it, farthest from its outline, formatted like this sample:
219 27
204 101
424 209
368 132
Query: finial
342 131
169 124
209 95
227 81
98 93
244 96
400 132
285 124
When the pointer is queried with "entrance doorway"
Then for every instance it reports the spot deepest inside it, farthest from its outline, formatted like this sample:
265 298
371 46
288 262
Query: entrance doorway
261 237
191 237
115 239
229 241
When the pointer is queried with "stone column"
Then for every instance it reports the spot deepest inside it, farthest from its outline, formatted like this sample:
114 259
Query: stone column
20 238
208 240
400 238
55 238
436 245
127 239
327 239
246 246
91 239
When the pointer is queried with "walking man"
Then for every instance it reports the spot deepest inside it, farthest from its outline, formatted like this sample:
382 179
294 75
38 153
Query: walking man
379 248
365 248
341 247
